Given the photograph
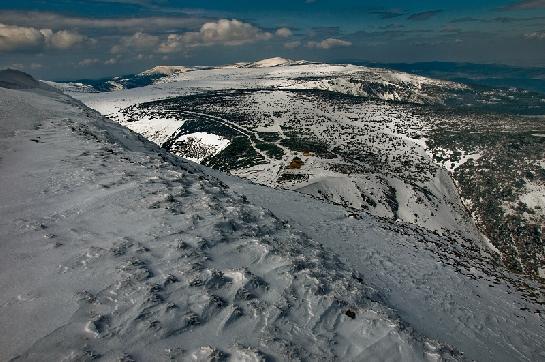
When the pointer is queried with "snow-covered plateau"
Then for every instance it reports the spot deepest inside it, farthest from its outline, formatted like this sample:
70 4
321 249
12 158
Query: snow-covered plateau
114 249
394 145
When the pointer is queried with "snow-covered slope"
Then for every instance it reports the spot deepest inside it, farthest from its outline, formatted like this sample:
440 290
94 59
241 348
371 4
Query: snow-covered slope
73 87
439 287
271 62
383 195
112 249
13 79
290 74
392 144
166 70
161 73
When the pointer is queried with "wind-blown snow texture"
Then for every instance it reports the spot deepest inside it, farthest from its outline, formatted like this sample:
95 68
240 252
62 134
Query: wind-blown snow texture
112 249
448 157
445 212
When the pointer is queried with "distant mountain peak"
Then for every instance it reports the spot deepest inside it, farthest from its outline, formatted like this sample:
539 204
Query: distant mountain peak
277 62
267 63
166 70
272 62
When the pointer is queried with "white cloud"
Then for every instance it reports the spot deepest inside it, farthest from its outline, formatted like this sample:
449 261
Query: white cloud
19 38
13 38
65 39
329 43
136 42
283 33
224 31
231 32
173 43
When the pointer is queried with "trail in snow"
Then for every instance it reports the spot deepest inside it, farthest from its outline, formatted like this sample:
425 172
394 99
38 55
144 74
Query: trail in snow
231 125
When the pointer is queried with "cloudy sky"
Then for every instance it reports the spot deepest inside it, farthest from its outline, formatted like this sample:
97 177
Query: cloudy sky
68 39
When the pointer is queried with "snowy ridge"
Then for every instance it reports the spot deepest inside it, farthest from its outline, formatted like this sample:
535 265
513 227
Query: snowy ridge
166 70
113 249
366 138
290 74
129 253
271 62
72 87
276 62
347 79
265 63
436 284
13 79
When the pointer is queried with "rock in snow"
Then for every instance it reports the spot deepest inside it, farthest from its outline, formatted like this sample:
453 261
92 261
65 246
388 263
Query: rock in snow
113 249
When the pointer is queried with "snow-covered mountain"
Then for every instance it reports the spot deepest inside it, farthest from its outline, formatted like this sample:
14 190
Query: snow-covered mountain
395 145
166 70
13 79
112 248
361 81
148 77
